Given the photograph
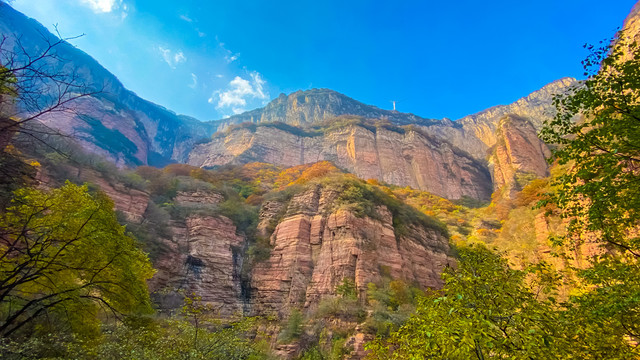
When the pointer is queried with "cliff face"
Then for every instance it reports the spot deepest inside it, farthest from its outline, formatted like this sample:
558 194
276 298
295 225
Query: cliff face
202 257
631 27
132 203
477 133
315 247
443 157
518 156
409 159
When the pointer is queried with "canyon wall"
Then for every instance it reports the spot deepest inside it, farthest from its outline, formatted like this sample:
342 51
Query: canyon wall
404 159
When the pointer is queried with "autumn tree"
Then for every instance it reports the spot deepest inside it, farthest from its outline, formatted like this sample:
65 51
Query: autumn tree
64 260
487 310
35 82
597 137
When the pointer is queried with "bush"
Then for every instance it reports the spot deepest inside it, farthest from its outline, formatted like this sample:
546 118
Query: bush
292 328
393 301
344 308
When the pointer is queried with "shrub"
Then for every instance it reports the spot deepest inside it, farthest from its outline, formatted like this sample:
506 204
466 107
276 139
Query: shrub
292 329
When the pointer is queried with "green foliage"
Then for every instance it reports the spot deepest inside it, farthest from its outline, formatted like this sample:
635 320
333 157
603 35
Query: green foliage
260 250
15 173
599 190
194 333
148 233
149 339
597 132
8 82
336 350
363 199
483 311
63 257
347 289
292 328
488 310
313 353
243 215
392 302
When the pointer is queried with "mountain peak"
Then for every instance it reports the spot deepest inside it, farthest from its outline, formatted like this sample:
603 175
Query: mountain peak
308 107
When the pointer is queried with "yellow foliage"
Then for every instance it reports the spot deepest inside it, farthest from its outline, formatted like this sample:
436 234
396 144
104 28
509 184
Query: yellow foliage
373 182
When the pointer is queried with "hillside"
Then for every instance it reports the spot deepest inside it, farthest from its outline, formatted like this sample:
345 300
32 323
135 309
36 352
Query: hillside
114 122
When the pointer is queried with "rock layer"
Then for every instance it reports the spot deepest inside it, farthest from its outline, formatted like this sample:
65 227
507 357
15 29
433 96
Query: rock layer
409 159
203 258
315 247
518 155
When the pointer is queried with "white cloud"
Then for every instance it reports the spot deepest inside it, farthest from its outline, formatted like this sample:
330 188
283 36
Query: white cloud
239 91
172 58
229 56
194 80
103 6
186 18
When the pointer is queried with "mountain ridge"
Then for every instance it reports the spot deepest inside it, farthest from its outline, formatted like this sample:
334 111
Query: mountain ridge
158 135
132 131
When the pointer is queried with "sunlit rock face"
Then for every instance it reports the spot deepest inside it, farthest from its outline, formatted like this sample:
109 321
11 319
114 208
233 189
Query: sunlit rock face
314 248
478 133
405 159
470 157
518 156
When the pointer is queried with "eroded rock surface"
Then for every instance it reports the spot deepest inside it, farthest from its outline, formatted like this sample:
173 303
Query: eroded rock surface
518 156
204 258
409 159
316 247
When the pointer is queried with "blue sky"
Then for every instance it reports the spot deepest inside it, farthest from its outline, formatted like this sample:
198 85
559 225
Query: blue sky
211 59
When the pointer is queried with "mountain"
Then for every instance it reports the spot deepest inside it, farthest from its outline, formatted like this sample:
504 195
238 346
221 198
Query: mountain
309 107
287 209
453 159
297 236
471 157
114 122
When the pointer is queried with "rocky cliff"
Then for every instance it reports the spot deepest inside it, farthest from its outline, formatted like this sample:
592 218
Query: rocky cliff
477 133
404 157
202 257
315 246
444 157
117 124
518 156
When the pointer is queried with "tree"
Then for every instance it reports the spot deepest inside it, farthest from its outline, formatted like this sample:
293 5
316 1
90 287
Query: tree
36 82
597 133
485 310
64 260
